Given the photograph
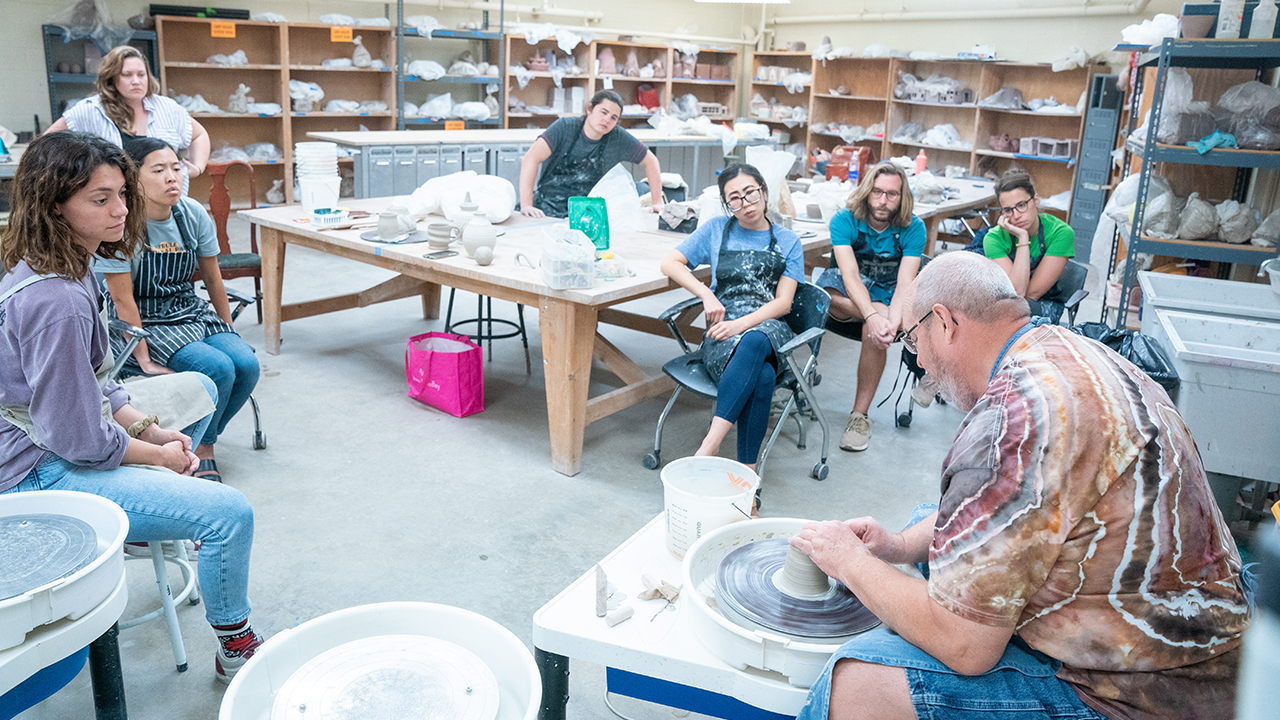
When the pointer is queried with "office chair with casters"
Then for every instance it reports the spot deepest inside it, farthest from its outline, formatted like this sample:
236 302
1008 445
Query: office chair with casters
234 265
808 313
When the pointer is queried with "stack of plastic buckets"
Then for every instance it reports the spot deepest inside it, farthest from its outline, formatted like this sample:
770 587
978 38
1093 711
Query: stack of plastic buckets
317 173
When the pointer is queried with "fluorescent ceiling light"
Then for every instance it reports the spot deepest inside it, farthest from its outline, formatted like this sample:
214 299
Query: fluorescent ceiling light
747 2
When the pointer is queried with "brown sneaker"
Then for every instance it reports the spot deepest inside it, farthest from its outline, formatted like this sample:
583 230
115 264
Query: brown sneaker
857 433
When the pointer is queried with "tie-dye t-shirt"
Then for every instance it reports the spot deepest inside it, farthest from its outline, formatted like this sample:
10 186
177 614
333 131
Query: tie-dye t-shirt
1075 508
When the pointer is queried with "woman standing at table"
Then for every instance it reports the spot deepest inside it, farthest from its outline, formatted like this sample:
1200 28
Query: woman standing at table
128 104
153 290
756 267
63 424
576 152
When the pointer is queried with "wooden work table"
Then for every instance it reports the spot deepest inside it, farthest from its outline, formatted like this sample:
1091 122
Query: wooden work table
569 320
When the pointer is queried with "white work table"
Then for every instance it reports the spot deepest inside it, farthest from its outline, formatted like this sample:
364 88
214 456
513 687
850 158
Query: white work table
655 655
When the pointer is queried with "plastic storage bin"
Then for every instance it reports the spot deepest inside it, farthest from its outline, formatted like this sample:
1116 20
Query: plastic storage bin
1230 373
568 258
1204 295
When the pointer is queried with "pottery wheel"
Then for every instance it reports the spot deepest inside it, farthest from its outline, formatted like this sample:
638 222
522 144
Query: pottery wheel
390 676
40 548
746 585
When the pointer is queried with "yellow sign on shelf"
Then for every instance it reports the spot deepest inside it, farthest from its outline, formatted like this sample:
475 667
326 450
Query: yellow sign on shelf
222 29
455 125
339 34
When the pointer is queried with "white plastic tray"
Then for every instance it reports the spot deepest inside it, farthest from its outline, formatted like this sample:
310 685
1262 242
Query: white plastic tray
1206 295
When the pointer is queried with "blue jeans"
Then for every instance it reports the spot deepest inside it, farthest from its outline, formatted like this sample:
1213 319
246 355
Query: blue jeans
1023 683
229 362
198 428
166 506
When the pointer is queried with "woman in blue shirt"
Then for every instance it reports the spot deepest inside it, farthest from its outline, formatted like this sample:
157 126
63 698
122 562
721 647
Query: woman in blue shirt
756 267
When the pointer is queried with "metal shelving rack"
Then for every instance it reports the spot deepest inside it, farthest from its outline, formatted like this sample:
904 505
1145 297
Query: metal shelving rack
484 35
55 40
1257 55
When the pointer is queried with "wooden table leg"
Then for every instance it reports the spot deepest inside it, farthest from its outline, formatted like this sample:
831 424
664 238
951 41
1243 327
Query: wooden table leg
271 247
431 302
931 233
568 340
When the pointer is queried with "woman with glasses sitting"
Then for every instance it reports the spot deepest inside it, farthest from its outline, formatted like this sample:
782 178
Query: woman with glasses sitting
1030 246
756 267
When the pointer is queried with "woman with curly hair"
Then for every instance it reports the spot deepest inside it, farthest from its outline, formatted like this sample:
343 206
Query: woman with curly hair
63 424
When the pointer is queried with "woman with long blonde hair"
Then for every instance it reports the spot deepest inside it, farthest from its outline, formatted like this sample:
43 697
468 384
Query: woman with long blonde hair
129 104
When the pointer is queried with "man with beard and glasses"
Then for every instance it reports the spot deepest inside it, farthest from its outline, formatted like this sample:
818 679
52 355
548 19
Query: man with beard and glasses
876 244
1076 565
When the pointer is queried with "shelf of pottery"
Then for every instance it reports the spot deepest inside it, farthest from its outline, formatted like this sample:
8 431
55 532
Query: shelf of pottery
647 76
258 87
849 106
451 80
780 93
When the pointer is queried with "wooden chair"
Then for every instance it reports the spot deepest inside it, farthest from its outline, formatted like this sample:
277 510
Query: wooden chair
234 265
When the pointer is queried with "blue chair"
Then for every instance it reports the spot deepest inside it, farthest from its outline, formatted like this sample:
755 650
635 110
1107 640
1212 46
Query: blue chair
806 319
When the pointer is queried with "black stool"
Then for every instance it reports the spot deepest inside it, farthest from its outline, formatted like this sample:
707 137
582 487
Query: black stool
484 322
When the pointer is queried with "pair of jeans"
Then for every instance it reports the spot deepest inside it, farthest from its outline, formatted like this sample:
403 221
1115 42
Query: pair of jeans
1023 683
229 362
745 392
167 506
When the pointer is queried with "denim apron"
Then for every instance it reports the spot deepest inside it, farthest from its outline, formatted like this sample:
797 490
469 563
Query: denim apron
875 268
746 280
569 178
167 301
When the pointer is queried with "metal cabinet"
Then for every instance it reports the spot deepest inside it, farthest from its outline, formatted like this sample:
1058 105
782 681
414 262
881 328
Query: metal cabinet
450 159
504 161
405 173
428 163
476 157
378 180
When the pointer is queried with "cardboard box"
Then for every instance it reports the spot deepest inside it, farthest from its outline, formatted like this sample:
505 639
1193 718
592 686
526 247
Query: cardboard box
720 72
704 71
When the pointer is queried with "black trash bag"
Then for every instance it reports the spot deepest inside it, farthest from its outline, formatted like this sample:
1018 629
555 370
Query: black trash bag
1141 350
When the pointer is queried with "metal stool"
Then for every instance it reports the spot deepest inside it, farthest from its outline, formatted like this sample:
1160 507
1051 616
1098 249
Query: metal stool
168 602
484 322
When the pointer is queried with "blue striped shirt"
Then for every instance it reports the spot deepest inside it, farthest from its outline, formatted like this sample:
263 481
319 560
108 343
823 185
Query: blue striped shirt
166 120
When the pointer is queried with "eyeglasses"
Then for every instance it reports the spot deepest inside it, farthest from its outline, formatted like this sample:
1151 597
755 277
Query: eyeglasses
1019 208
750 197
891 194
908 338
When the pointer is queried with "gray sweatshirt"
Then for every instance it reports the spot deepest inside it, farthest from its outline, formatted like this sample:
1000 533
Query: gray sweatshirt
51 340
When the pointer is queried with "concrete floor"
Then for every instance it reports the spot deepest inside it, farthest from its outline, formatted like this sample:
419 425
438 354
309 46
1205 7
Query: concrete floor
364 495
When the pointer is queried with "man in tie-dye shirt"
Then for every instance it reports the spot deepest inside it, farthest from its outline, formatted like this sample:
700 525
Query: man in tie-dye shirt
1078 565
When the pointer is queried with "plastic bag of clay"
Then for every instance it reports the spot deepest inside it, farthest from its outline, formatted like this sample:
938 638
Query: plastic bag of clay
1266 234
269 17
360 57
373 22
684 107
796 82
1250 97
906 84
461 67
234 59
632 67
1236 222
426 199
1006 97
424 24
1161 218
410 110
228 153
774 165
263 151
1251 134
1199 220
758 107
619 192
372 106
477 111
437 107
91 19
265 108
944 135
342 106
425 69
275 195
496 197
335 64
1177 100
1075 58
337 19
910 132
301 90
239 100
928 190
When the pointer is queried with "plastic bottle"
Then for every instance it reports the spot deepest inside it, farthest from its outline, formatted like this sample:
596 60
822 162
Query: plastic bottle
922 162
1263 24
1230 14
853 171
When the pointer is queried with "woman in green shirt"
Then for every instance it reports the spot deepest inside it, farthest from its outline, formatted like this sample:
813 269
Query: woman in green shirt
1030 246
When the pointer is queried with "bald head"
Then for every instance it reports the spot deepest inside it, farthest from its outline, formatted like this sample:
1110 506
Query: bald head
968 284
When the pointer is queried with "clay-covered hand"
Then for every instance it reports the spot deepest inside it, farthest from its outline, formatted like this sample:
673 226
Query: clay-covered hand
714 310
151 368
881 543
727 328
879 331
530 211
1018 234
829 544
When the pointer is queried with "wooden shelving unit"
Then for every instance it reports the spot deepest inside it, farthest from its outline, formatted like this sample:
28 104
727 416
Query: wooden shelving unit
869 84
628 87
772 90
541 87
277 53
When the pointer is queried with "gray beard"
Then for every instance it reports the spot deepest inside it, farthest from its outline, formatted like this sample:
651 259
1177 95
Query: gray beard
951 390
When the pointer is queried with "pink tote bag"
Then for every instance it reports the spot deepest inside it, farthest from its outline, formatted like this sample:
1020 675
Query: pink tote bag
445 371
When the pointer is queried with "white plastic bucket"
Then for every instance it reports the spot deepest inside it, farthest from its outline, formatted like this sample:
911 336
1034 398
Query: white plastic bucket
702 494
318 192
1272 268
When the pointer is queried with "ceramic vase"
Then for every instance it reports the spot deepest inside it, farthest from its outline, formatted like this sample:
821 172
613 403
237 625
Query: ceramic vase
478 233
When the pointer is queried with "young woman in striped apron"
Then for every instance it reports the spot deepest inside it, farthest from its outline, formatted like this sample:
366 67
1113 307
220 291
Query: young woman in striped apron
154 291
63 424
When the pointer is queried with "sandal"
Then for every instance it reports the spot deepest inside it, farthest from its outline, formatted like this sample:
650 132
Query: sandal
209 468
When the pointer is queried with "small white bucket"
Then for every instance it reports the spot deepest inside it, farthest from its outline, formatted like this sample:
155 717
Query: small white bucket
702 494
1272 268
318 192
